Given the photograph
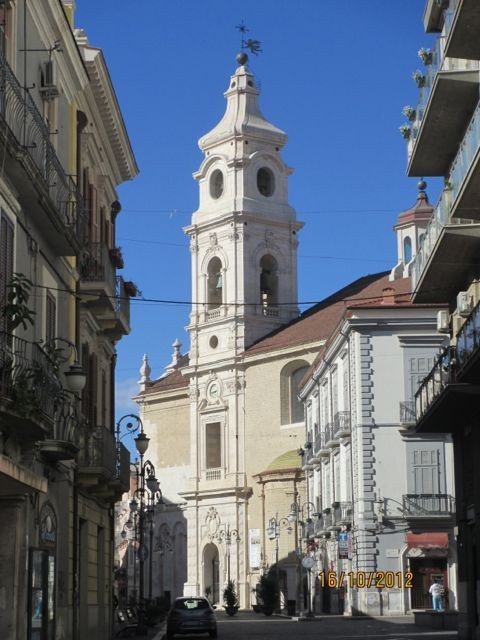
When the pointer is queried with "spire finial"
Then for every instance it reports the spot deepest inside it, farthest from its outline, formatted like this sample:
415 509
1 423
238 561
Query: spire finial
252 45
422 185
145 371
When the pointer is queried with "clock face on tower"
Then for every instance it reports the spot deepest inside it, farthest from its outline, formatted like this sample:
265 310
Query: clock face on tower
213 390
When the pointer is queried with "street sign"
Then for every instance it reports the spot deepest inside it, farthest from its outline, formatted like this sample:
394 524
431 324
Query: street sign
343 545
308 562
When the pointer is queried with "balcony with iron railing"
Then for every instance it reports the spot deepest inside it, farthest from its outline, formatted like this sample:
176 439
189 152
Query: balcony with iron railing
97 274
97 458
407 412
442 403
343 513
320 448
468 347
448 93
448 249
29 386
114 319
331 439
425 505
342 424
32 164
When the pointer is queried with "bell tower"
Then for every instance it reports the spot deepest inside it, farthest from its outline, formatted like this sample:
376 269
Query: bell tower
243 236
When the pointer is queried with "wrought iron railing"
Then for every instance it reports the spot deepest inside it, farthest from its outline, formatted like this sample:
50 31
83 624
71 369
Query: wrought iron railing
96 265
28 379
341 424
426 504
331 438
27 126
407 412
122 470
98 451
442 374
468 338
122 300
342 513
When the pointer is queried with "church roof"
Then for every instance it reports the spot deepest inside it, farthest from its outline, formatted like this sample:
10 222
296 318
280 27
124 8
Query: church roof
285 461
320 321
172 380
421 210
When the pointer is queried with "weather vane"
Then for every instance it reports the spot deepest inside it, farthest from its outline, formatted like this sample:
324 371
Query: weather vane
252 45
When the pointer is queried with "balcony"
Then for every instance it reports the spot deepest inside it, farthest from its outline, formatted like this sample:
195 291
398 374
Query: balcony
447 99
97 275
434 15
32 165
407 412
121 482
342 513
448 253
331 439
29 387
425 505
342 424
442 403
464 175
320 447
464 26
115 318
97 458
468 347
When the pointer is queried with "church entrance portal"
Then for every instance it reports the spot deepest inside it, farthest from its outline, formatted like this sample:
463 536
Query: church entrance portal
211 584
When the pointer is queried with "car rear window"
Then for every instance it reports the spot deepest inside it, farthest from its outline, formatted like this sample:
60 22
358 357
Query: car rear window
192 603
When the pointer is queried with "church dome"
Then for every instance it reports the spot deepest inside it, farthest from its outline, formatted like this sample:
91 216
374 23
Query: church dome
288 460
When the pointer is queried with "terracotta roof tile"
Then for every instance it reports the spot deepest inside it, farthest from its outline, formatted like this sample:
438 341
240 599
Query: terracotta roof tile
173 380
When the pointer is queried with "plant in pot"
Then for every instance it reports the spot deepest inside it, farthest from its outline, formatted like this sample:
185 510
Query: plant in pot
419 78
230 598
267 593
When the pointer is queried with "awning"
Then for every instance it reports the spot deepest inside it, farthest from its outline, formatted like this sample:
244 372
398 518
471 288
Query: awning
431 540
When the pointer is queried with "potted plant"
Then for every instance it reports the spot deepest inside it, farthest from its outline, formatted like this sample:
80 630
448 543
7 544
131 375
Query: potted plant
116 257
405 131
419 78
425 55
130 288
409 112
267 593
230 598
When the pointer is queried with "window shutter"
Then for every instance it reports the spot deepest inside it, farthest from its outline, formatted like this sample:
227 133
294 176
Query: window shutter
6 262
50 317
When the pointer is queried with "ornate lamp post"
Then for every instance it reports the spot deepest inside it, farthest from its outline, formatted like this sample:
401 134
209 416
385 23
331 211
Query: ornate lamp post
273 532
302 515
227 535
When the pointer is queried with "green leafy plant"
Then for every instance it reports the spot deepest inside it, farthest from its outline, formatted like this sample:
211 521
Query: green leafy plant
230 598
16 309
267 593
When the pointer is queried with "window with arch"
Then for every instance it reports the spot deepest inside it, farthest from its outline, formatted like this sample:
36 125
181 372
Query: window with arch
407 250
214 283
268 281
291 406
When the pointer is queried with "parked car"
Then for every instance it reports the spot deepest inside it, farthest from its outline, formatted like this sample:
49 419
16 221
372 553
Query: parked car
191 615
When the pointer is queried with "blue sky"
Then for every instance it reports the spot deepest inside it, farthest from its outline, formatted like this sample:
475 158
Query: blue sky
334 75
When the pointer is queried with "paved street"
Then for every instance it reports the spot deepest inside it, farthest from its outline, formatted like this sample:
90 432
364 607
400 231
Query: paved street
251 626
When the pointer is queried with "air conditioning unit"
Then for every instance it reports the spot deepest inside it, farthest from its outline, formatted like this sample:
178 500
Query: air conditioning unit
48 86
464 304
443 321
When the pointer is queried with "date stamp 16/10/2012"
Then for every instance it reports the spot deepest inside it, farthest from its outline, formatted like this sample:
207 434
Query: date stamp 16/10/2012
366 579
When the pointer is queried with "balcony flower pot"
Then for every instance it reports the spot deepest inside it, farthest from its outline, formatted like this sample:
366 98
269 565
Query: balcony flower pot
419 78
116 257
409 112
406 131
426 56
130 288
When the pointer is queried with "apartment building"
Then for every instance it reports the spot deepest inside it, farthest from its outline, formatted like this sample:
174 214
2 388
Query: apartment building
445 141
64 150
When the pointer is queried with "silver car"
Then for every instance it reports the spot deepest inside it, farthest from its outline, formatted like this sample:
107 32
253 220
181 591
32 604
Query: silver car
191 615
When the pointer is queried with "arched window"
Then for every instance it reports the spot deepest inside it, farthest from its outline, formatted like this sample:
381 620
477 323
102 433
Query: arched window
407 250
268 281
214 283
290 378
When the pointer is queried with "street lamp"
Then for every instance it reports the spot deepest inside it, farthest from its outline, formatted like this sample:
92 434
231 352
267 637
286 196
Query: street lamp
302 515
75 375
227 534
146 480
273 532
